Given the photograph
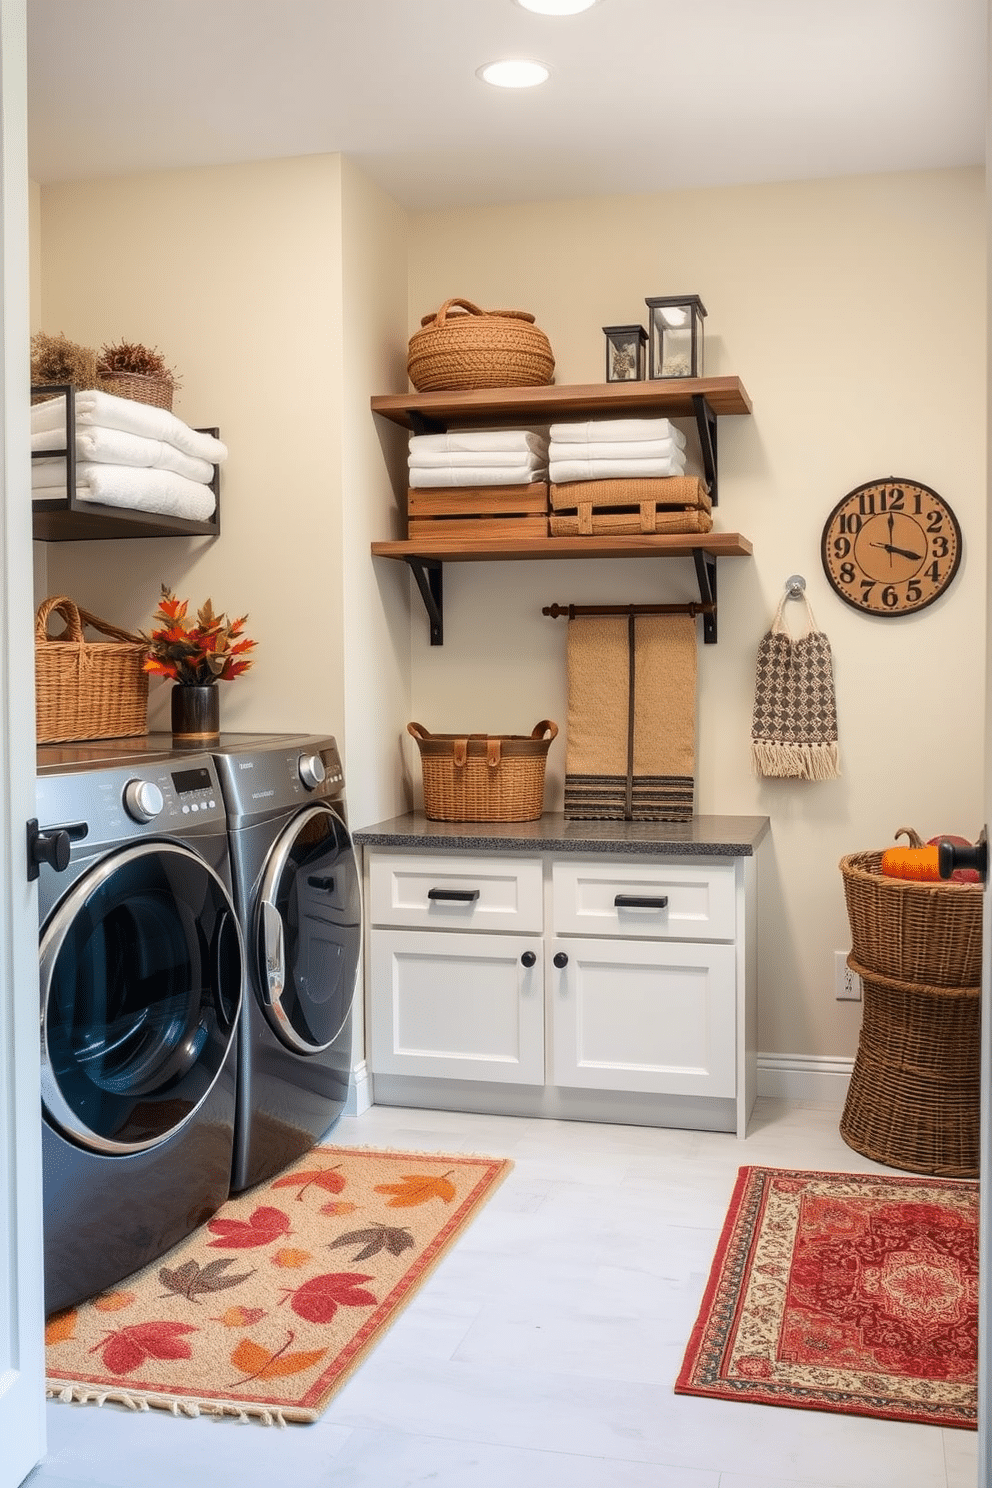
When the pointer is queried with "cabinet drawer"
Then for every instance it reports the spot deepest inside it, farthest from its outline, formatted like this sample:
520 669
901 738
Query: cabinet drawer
678 902
458 892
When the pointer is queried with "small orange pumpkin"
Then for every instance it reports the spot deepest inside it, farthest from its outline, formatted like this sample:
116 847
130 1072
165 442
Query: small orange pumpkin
919 861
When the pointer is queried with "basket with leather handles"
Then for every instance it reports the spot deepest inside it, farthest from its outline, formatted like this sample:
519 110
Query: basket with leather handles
87 689
481 777
475 348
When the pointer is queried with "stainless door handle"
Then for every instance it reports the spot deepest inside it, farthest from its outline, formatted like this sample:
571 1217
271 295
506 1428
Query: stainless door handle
273 952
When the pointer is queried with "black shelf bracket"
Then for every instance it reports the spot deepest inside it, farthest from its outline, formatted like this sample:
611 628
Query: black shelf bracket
422 423
706 426
706 578
428 573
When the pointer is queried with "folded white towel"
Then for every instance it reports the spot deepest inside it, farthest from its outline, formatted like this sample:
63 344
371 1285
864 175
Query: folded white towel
607 430
519 441
477 475
147 490
94 407
431 460
620 449
111 447
586 470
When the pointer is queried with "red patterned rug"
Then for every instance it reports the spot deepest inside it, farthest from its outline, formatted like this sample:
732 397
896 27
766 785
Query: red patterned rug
850 1292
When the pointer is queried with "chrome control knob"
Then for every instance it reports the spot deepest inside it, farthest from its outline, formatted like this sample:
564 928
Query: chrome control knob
143 801
312 772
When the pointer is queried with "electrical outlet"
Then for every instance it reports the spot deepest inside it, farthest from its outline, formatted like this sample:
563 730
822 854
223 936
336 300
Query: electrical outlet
847 983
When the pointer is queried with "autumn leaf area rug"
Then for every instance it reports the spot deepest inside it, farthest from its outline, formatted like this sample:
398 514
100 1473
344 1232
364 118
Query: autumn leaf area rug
849 1292
265 1310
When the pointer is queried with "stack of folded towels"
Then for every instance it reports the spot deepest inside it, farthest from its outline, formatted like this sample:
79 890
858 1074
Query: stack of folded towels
616 449
487 457
128 454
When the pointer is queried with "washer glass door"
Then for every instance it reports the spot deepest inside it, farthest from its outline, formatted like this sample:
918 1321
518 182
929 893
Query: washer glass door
141 968
308 930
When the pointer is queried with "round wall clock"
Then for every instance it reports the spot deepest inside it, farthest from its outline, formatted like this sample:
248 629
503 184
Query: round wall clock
891 547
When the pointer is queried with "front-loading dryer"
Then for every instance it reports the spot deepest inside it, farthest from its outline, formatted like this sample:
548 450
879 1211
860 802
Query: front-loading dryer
142 966
298 894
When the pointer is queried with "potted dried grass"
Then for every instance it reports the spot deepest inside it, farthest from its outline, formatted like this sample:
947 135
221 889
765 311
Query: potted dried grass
130 370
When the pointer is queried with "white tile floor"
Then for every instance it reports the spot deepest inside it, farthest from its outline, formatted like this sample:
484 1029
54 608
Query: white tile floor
542 1351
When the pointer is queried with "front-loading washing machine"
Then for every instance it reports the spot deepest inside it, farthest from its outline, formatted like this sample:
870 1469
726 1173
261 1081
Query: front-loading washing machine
298 894
142 969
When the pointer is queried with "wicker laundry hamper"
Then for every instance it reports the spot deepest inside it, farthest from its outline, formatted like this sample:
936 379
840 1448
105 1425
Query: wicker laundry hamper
914 1097
84 689
480 777
475 348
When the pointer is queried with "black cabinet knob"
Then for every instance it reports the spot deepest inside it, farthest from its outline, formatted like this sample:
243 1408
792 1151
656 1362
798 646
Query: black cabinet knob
951 856
560 960
528 959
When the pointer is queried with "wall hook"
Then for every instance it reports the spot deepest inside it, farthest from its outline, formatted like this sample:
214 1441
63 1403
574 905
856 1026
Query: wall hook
795 586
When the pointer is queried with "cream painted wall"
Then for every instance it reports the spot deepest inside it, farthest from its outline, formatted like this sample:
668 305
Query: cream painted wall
854 313
235 275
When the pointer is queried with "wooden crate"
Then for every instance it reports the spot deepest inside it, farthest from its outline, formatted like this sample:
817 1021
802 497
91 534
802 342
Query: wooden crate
478 511
664 504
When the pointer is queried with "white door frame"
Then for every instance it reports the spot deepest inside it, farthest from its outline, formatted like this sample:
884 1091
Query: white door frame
22 1394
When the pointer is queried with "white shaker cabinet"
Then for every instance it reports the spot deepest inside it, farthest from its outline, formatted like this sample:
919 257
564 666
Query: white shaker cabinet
593 986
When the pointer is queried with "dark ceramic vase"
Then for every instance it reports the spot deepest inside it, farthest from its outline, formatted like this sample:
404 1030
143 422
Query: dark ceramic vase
195 716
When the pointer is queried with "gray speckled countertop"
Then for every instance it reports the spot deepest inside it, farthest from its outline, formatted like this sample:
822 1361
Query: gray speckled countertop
715 836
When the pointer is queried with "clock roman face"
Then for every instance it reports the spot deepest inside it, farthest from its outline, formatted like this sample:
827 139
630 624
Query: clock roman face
891 547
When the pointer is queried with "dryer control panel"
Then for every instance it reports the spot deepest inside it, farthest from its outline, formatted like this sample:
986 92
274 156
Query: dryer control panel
268 776
99 805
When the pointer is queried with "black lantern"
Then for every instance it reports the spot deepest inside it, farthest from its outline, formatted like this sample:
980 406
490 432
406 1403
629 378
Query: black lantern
676 335
625 353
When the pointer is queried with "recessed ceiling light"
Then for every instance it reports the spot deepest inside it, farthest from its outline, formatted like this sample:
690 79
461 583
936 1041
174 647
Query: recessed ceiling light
557 7
513 74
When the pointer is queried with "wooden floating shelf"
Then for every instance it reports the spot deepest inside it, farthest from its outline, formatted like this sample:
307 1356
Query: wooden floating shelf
672 398
662 545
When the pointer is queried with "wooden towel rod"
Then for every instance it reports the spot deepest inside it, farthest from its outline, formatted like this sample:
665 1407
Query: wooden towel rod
696 607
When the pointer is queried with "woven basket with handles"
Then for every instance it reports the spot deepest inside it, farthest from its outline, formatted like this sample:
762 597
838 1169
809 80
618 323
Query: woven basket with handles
479 777
475 348
83 689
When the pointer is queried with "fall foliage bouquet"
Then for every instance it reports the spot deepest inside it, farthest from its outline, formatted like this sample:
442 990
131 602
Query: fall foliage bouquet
212 650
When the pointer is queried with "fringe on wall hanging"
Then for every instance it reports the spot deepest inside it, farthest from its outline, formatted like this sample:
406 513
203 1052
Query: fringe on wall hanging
794 727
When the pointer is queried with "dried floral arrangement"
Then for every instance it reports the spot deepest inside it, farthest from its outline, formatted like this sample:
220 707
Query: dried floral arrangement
212 650
130 358
56 359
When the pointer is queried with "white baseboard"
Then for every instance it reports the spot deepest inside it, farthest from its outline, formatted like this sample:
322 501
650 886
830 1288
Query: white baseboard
822 1080
359 1091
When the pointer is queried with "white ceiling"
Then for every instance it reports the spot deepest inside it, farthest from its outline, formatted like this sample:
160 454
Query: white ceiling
644 95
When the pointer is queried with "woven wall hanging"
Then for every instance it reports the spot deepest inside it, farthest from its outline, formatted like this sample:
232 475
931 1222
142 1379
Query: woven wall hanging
794 727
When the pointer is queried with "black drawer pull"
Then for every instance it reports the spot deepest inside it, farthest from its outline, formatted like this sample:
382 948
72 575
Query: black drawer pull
640 901
456 896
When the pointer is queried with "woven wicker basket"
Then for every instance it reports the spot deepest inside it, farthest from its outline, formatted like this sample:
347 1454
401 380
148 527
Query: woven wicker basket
139 388
475 777
915 932
478 349
914 1097
87 690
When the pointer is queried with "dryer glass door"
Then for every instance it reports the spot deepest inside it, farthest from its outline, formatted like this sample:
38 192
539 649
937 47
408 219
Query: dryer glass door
141 968
308 930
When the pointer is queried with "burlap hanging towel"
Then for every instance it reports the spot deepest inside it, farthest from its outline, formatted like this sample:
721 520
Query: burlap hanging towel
794 728
630 751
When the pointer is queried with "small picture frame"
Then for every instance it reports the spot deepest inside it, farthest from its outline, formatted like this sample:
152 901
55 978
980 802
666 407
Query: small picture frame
626 348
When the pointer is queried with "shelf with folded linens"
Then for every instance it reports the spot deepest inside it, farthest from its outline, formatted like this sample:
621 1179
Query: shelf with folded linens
68 517
704 399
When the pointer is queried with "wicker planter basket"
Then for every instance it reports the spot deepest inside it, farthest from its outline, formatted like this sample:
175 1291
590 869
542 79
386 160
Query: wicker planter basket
139 388
914 1099
87 690
476 348
926 933
475 777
